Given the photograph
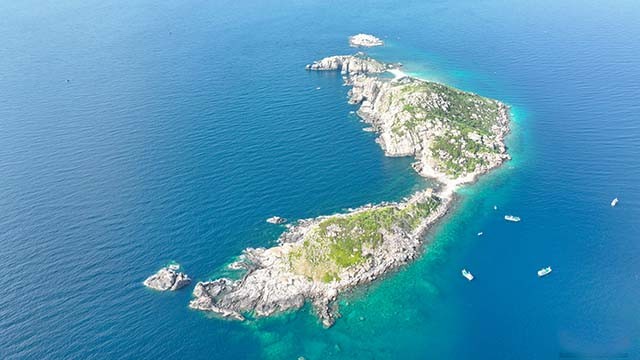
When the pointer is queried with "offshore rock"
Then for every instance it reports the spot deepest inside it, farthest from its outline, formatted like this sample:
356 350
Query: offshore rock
364 40
276 220
167 278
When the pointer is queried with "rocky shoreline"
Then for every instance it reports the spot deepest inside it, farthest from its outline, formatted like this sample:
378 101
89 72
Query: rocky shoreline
454 137
270 285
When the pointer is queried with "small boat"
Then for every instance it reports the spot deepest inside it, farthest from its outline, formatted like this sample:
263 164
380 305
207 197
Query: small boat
480 233
511 218
544 271
495 207
276 220
467 274
614 202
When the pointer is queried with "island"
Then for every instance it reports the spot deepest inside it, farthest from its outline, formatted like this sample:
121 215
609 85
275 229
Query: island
454 136
364 40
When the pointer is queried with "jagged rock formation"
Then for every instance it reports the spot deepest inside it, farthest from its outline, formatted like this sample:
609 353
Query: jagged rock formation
276 220
167 278
364 40
349 64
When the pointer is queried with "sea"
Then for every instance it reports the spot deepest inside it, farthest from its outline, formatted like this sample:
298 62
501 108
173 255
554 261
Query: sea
133 134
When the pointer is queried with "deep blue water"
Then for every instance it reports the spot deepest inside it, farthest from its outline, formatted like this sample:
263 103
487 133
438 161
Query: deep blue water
132 134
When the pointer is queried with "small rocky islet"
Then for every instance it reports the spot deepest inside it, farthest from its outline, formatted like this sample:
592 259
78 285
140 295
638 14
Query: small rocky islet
364 40
169 278
454 136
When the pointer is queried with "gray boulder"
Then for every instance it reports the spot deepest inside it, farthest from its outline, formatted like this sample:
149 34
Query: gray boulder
168 278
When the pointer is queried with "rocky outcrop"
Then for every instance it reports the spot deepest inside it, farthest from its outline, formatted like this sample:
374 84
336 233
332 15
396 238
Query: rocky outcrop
277 220
364 40
168 278
349 64
281 278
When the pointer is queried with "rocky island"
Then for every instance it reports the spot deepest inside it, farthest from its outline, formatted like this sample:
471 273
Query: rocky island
454 137
168 278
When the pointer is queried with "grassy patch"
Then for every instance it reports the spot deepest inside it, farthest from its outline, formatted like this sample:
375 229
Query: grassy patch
461 113
340 242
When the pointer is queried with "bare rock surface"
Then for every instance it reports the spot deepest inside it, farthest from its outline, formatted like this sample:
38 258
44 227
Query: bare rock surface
349 64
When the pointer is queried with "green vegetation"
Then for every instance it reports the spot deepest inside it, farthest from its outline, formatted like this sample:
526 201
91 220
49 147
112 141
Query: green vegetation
459 153
466 111
461 113
340 242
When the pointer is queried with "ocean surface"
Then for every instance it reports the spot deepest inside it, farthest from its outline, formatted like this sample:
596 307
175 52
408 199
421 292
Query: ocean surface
137 133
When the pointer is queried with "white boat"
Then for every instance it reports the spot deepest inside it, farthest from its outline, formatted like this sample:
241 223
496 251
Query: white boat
467 274
614 202
544 271
495 207
511 218
480 233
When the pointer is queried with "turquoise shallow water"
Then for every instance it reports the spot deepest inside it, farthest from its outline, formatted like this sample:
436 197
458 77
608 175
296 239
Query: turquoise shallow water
136 134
